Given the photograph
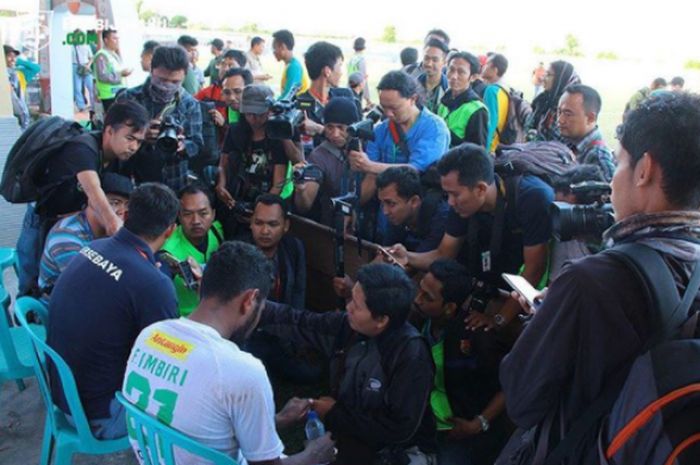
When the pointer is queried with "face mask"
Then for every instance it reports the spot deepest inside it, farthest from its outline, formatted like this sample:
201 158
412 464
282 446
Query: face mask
163 92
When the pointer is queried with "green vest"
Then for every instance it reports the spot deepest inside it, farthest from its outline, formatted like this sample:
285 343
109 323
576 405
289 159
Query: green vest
106 90
181 248
354 64
458 120
438 396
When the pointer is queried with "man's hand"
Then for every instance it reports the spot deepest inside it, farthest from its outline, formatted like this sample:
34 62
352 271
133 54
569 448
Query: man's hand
321 450
525 305
126 72
153 131
224 195
217 117
343 286
293 411
180 143
400 254
323 405
196 268
463 428
309 127
477 320
359 161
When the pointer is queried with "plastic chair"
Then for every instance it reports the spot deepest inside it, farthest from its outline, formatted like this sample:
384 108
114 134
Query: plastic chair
150 430
15 345
60 435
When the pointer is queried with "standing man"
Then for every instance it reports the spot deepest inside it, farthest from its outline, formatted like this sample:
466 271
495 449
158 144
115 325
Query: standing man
294 73
109 71
257 48
433 80
358 64
190 83
212 71
538 79
496 98
19 105
82 75
147 54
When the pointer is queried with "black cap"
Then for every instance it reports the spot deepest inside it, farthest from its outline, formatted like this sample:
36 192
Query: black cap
10 49
217 43
113 183
359 44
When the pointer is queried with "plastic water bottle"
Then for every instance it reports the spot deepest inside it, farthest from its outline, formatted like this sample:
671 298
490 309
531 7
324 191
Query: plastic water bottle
314 426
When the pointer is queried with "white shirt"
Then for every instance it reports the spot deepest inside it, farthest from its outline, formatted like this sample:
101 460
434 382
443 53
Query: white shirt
206 387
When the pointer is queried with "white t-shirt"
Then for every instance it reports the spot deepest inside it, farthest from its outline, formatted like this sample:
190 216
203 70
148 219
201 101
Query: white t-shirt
206 387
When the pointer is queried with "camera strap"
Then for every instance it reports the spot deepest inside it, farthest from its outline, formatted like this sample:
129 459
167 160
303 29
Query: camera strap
398 137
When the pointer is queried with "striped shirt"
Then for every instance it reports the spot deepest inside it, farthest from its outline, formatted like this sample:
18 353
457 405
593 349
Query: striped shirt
63 242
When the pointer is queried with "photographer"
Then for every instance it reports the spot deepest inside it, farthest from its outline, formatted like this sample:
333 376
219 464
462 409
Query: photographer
411 135
174 113
595 320
312 195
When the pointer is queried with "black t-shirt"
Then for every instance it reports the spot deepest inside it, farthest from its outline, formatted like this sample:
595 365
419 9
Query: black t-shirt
61 193
251 163
525 224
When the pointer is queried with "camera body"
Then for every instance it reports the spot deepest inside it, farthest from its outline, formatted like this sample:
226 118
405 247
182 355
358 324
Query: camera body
360 131
306 173
167 140
590 218
287 114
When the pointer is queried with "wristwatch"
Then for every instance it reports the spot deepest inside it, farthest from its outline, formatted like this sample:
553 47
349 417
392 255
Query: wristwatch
499 320
485 425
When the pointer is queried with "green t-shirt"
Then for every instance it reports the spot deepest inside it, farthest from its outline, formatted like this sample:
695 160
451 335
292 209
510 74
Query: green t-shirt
181 248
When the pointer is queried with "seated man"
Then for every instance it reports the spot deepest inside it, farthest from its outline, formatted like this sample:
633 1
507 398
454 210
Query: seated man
107 295
461 108
410 135
579 108
70 234
504 222
197 237
312 197
221 396
381 369
466 399
416 217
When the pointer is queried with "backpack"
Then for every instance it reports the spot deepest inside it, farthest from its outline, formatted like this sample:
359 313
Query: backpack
654 417
519 111
544 159
26 162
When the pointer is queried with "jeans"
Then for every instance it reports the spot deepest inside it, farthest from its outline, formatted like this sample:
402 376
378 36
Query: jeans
29 251
112 427
80 84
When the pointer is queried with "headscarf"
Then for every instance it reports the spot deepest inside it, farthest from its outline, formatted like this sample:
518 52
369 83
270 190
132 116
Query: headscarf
544 107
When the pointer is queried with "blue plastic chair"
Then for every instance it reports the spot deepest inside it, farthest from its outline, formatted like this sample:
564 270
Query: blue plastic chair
150 430
60 435
15 345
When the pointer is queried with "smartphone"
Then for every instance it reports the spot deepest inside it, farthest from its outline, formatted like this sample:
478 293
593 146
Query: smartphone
522 287
391 258
181 268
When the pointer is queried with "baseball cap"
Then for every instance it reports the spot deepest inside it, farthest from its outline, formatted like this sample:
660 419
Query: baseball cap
254 99
218 43
341 110
113 183
10 49
355 79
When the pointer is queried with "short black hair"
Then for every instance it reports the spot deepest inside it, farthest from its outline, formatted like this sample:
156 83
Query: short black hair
255 41
273 199
659 82
196 188
473 60
576 175
185 40
107 32
500 62
388 292
667 128
217 44
127 112
471 162
149 46
678 81
170 57
456 282
440 33
407 181
242 72
320 55
591 98
359 44
399 81
233 269
153 208
409 56
285 37
438 44
237 55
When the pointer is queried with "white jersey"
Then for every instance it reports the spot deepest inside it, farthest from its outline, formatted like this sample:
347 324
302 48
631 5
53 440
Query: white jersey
204 386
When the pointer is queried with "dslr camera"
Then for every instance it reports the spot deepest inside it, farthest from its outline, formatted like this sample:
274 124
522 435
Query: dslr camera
364 130
590 218
167 137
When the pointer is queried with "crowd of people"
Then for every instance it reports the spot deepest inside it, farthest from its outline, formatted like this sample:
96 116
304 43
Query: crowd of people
161 244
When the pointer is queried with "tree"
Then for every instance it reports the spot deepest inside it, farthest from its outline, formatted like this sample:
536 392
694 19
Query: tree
389 35
250 28
572 47
178 21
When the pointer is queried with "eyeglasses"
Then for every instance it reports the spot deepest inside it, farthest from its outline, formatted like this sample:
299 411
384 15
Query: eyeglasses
232 91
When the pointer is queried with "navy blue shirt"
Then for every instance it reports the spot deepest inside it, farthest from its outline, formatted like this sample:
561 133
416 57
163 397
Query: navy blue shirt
527 223
110 291
427 236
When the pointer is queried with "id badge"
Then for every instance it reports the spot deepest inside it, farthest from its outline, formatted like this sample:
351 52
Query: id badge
486 261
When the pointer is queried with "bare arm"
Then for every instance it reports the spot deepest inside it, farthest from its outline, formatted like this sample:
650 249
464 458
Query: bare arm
278 178
305 195
90 182
293 151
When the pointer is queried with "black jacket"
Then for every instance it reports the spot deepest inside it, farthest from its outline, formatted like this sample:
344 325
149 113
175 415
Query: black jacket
382 385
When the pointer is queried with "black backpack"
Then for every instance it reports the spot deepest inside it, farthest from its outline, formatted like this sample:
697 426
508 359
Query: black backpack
544 159
519 111
26 162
